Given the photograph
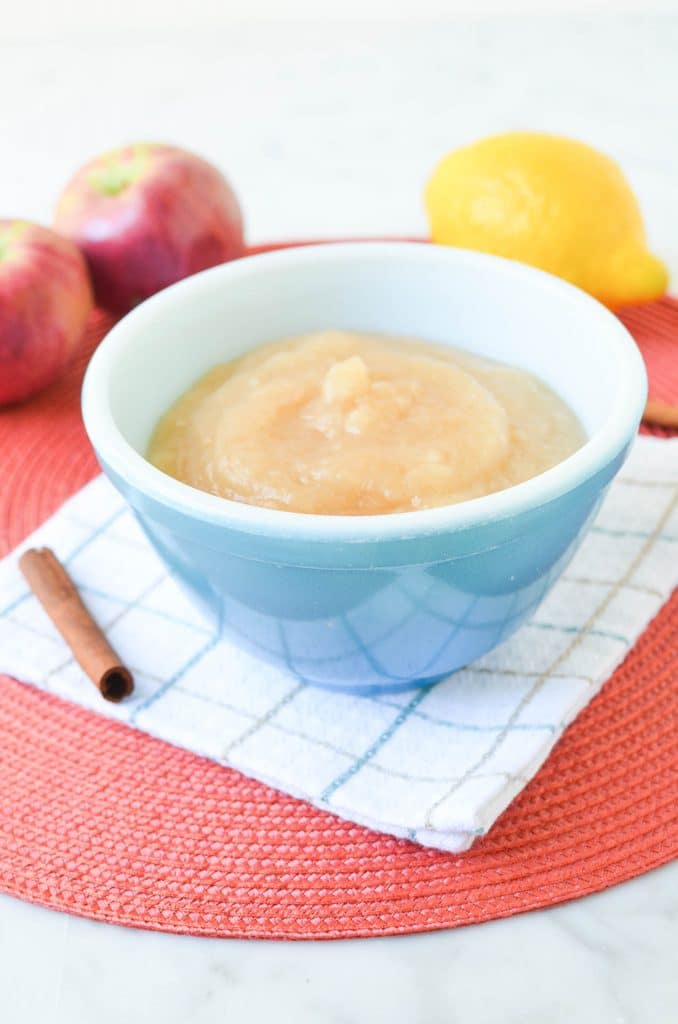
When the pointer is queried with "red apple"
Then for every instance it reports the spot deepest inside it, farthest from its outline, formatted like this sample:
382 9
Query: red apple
45 298
147 215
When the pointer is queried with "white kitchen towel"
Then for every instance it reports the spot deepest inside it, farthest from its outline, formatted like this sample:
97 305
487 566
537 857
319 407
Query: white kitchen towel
437 765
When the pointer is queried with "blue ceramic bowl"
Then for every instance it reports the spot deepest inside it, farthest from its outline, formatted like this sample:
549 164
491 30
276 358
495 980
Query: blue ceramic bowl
368 603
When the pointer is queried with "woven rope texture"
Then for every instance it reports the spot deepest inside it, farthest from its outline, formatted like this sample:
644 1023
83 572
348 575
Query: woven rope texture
101 820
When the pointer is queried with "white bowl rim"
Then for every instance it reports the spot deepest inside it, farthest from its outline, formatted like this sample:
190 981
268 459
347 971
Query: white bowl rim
602 447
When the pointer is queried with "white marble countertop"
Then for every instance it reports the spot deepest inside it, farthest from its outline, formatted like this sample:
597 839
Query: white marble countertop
331 130
606 959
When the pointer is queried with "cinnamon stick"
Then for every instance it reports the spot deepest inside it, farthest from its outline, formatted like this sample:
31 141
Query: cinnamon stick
661 414
57 594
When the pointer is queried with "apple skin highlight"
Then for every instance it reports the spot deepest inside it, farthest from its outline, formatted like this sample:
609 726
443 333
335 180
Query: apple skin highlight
45 299
147 215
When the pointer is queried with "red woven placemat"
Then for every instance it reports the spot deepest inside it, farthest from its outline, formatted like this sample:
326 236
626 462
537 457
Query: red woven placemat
101 820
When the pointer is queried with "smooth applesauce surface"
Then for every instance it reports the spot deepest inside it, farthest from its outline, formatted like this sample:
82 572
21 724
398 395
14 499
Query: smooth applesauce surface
343 423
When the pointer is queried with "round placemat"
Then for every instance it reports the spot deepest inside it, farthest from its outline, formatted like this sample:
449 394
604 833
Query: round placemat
100 820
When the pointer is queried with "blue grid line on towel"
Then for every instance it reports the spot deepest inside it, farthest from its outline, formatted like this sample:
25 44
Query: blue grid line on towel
390 730
606 634
375 746
256 722
468 726
159 613
97 531
640 534
154 697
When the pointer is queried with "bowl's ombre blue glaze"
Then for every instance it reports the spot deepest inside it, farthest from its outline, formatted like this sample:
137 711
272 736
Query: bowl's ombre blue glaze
411 620
365 606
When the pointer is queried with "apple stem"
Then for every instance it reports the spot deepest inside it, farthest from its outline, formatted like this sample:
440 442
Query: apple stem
119 173
112 180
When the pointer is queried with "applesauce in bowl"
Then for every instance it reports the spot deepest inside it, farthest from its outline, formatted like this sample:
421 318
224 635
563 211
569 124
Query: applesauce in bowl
349 423
379 601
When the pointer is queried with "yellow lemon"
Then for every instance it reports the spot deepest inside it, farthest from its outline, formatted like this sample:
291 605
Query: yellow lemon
551 202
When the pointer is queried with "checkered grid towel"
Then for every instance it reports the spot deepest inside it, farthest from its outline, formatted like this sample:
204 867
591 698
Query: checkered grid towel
436 765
